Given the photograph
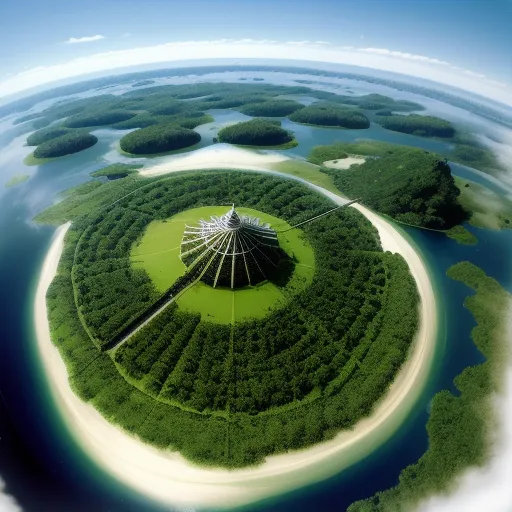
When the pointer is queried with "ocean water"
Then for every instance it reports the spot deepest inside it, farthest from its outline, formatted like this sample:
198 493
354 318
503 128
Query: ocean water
43 466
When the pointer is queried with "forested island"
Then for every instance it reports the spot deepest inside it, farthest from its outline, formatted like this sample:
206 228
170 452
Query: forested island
228 394
271 108
116 171
106 118
65 145
411 185
158 139
327 114
423 126
46 134
256 132
459 439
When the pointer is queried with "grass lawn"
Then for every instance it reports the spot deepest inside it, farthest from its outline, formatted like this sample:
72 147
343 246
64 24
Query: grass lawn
158 253
308 172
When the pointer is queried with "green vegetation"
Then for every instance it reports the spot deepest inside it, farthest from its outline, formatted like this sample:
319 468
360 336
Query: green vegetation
486 208
93 195
46 134
410 185
459 426
330 114
65 145
256 132
228 394
271 108
158 254
158 139
462 235
108 117
27 117
474 156
423 126
116 171
17 180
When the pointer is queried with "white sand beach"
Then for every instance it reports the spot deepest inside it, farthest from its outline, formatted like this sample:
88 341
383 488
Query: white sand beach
219 156
345 163
168 477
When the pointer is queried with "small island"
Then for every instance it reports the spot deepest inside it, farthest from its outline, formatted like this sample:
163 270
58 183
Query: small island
331 115
65 145
256 132
116 171
415 124
271 108
158 139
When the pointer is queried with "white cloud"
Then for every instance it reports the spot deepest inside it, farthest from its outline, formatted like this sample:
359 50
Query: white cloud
7 502
489 488
403 55
87 39
378 58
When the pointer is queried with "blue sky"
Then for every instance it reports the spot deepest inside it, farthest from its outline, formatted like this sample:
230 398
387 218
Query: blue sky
470 34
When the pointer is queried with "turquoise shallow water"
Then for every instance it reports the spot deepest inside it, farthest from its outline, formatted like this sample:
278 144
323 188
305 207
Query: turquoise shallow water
40 462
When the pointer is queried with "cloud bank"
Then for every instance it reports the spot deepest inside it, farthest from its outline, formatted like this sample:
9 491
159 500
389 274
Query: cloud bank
87 39
7 503
489 488
316 51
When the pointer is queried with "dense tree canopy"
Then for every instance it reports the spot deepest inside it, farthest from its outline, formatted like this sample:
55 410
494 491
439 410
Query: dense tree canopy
461 425
271 108
410 185
65 145
330 114
215 392
46 134
116 171
424 126
98 119
256 132
158 139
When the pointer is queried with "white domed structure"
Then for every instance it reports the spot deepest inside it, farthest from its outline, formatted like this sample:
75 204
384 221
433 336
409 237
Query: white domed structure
232 250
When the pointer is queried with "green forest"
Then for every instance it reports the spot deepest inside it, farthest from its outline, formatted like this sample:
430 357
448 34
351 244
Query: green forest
158 139
228 395
65 145
186 106
106 118
271 108
411 185
46 134
256 132
460 423
423 126
331 114
116 171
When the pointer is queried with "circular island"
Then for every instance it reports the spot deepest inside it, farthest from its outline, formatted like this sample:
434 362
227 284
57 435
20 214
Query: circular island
230 394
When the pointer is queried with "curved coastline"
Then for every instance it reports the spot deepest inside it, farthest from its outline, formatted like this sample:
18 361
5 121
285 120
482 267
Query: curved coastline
167 476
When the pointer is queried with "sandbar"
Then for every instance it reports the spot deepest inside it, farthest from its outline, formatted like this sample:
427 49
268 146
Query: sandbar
345 163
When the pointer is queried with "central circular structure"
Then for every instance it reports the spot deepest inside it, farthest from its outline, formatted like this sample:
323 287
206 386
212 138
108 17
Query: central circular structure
232 250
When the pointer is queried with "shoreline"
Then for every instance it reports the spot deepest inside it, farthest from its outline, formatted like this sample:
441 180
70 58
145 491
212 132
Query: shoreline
168 477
